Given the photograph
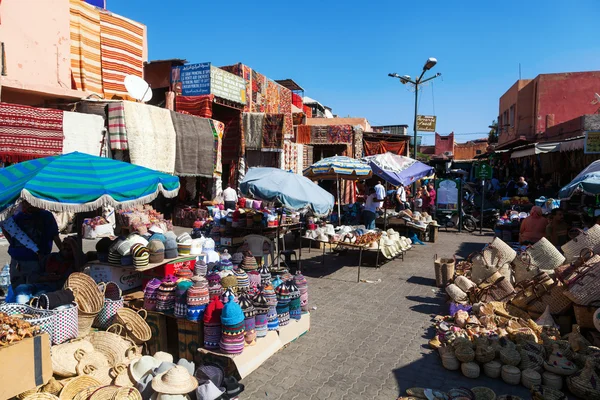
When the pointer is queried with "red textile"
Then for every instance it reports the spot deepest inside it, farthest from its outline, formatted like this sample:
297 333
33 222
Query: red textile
29 132
307 111
200 106
383 146
273 131
297 100
339 134
303 134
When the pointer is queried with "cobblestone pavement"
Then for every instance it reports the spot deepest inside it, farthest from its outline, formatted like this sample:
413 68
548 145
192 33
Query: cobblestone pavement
368 340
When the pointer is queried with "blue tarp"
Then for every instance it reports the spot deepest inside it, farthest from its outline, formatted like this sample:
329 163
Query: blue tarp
398 170
292 190
588 182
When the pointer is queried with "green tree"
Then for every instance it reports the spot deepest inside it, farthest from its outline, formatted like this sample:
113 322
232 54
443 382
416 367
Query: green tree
493 135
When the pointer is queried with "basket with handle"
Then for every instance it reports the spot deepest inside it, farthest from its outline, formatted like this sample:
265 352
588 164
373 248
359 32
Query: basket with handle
135 324
88 297
35 316
495 288
542 255
584 315
498 253
564 272
541 291
444 270
583 288
113 301
524 268
589 239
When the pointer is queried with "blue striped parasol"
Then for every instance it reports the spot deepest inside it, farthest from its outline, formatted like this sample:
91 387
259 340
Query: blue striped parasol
341 167
78 182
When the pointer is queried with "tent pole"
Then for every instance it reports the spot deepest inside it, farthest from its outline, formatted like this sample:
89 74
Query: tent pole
385 209
339 201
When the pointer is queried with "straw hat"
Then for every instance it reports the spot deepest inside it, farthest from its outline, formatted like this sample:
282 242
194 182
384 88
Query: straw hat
52 387
177 380
162 396
41 396
63 357
143 365
76 385
162 356
127 393
104 393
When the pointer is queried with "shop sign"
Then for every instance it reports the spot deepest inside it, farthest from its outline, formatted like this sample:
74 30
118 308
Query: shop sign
447 195
485 171
426 123
592 142
191 79
227 85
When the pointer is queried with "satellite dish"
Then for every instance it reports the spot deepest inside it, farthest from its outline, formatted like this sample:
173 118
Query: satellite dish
138 88
597 96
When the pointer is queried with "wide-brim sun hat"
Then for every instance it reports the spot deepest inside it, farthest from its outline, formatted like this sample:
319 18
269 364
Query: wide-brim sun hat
142 366
177 380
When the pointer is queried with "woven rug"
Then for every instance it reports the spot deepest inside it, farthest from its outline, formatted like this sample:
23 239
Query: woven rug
29 132
318 135
339 134
117 131
303 134
151 136
200 106
195 151
253 124
83 133
85 47
217 128
273 131
122 51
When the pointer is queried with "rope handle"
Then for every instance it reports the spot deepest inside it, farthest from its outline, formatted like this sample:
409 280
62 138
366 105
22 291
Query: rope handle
79 354
143 311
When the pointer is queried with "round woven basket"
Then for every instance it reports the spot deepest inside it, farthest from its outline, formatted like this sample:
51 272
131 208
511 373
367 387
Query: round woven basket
27 393
104 393
511 374
464 353
117 349
122 377
85 393
485 354
533 347
450 362
492 369
136 326
552 380
540 392
483 393
41 396
530 378
53 387
88 297
63 357
470 370
76 385
531 360
510 356
127 393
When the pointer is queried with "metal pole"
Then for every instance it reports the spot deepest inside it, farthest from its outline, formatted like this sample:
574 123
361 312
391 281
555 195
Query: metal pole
339 201
414 187
482 198
385 210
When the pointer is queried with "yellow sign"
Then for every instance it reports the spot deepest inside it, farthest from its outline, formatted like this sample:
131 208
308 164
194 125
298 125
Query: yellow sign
426 123
592 142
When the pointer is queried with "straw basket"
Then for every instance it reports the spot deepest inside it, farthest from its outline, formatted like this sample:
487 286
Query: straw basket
456 294
483 393
135 324
127 393
450 362
498 253
64 363
584 383
113 301
540 256
511 375
86 393
470 370
89 299
510 356
495 288
41 396
540 392
585 314
583 288
585 240
464 283
444 270
531 361
76 385
485 354
121 376
104 393
492 369
530 378
52 387
464 353
117 349
552 380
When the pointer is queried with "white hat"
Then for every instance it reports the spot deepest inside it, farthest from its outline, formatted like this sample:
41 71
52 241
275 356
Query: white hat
196 247
155 229
134 238
162 396
142 366
162 356
208 391
177 380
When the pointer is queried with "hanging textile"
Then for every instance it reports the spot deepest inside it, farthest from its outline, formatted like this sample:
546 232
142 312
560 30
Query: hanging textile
122 51
304 132
297 100
218 127
200 106
83 133
318 134
29 132
117 131
372 148
253 124
273 131
307 111
339 134
194 155
86 66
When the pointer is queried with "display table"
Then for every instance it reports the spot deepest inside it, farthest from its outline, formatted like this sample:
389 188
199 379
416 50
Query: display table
360 248
425 233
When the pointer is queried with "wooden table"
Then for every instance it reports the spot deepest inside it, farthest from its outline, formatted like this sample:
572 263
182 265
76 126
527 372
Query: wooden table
360 247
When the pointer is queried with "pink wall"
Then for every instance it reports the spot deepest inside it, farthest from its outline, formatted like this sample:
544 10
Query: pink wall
444 143
37 42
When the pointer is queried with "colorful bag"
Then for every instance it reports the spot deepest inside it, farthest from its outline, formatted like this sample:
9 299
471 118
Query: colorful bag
589 239
113 301
66 323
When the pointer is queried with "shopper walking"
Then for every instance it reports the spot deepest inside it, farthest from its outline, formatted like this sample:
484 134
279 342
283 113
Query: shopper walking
369 213
401 203
380 191
230 198
429 195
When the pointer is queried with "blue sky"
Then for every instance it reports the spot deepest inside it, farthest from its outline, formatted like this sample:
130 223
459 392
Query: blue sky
340 52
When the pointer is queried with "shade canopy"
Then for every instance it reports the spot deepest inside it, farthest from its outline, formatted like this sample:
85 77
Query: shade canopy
292 190
341 167
588 182
78 182
396 169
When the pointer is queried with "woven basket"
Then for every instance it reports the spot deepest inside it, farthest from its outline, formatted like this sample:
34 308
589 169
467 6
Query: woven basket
127 393
483 393
485 354
89 300
583 289
492 369
533 347
137 328
470 370
531 361
35 316
444 270
530 378
511 374
76 385
86 393
457 295
113 301
584 315
64 363
464 353
121 376
552 380
585 240
584 383
541 256
495 288
104 393
510 357
116 348
450 362
481 269
41 396
498 253
464 283
540 392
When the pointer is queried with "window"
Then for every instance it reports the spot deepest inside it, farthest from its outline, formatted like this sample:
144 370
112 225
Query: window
477 152
512 116
499 124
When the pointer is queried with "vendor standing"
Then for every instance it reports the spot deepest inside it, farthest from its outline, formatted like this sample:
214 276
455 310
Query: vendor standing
533 228
230 198
30 234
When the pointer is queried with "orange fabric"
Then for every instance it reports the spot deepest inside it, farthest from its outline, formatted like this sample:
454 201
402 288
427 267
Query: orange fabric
383 146
303 134
533 228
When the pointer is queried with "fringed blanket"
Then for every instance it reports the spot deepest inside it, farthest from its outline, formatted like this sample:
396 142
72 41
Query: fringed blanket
318 135
253 124
29 132
339 134
117 130
85 47
273 131
200 106
195 152
151 136
122 51
83 133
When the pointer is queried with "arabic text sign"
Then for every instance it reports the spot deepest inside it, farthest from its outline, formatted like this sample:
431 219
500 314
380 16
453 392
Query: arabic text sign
194 79
592 142
227 86
426 123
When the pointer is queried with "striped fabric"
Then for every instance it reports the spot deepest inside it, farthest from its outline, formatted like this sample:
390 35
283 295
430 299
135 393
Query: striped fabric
122 50
117 131
338 165
85 47
79 182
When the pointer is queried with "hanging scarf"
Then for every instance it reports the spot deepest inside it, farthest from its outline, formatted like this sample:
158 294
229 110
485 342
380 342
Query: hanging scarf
17 233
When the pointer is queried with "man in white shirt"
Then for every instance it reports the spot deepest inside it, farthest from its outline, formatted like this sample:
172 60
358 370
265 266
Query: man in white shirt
369 213
401 203
230 198
380 191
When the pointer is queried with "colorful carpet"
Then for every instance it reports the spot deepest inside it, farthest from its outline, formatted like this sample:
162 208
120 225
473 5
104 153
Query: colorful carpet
273 131
86 67
200 106
117 130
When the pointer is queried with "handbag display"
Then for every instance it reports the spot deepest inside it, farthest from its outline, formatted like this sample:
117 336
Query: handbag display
495 288
113 301
524 270
64 318
542 255
583 288
498 253
589 239
540 292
